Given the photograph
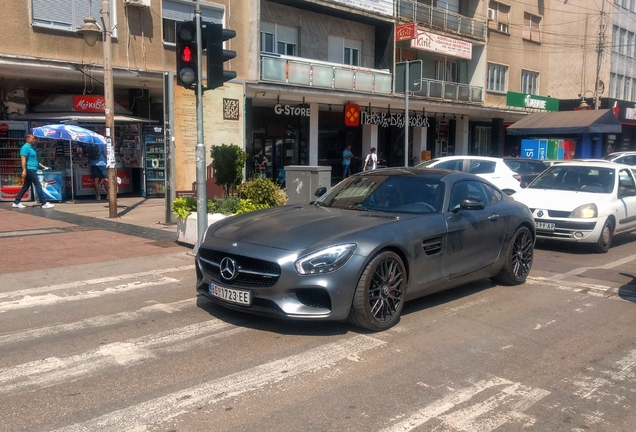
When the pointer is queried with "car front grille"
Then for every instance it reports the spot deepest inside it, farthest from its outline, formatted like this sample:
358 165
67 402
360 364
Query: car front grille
252 272
556 213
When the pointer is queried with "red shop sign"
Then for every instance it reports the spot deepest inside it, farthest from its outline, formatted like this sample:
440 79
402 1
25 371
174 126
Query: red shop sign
89 104
405 31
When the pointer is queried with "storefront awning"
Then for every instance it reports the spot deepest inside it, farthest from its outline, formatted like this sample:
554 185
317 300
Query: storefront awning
80 118
567 122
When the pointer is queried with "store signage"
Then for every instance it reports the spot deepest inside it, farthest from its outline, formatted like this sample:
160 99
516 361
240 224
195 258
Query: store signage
352 115
630 113
405 32
384 7
392 119
523 100
4 127
291 110
89 104
427 41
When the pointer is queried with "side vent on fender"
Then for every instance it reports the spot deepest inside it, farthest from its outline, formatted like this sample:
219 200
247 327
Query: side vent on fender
432 246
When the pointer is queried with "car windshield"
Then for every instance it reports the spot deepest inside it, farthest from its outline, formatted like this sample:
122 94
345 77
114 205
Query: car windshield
395 194
426 163
576 178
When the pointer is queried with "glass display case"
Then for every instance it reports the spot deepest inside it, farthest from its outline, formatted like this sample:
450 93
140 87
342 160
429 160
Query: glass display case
155 162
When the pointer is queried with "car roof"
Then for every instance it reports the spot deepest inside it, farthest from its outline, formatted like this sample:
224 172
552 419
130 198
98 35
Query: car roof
487 158
595 164
621 153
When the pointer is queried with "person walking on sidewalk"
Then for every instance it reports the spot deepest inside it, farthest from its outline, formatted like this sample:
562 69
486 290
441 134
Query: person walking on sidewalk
97 156
371 161
30 167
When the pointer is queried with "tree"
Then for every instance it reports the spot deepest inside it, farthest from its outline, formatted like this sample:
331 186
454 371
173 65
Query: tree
229 162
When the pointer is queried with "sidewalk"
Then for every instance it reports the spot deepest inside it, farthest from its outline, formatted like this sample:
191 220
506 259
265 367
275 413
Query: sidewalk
81 232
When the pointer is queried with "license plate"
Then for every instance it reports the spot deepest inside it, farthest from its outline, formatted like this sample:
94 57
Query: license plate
231 295
544 226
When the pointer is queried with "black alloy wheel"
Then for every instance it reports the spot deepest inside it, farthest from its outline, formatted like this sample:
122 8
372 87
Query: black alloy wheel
519 258
379 296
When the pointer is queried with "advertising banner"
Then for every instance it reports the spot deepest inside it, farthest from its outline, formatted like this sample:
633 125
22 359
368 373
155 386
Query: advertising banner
428 41
52 182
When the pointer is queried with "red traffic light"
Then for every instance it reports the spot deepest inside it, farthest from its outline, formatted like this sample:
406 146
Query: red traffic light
186 54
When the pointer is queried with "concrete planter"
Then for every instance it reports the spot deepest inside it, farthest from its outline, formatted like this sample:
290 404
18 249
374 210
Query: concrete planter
187 228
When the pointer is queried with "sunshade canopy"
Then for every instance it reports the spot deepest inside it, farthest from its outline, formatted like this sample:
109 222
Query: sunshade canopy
567 122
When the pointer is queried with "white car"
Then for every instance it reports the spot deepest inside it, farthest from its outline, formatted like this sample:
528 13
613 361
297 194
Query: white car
492 169
623 157
585 202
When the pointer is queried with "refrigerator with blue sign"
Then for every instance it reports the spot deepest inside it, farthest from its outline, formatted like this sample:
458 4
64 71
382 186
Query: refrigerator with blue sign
11 140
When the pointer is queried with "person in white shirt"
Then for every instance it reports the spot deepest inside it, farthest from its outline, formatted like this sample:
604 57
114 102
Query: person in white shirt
371 160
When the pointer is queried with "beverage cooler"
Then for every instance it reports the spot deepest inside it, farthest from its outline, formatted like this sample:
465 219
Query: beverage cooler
11 140
155 162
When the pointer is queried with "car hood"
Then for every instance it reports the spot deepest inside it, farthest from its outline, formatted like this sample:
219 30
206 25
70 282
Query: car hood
300 227
556 199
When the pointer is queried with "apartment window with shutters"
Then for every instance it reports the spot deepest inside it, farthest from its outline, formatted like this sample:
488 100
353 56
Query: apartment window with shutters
68 15
531 27
351 55
175 11
498 16
529 82
497 77
279 39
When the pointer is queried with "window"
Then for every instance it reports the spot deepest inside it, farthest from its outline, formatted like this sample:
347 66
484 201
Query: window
344 51
501 16
496 78
627 89
623 42
279 39
68 14
352 56
630 45
531 27
615 37
174 11
446 70
529 82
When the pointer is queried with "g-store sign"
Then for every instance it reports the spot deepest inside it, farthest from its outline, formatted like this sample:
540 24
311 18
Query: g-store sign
291 110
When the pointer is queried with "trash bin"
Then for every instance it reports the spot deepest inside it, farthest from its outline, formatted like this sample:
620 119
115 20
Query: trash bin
302 181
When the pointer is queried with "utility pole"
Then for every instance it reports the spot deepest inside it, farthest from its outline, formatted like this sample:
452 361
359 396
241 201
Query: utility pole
202 198
599 56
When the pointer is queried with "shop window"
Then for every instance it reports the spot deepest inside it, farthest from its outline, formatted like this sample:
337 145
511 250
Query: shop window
531 27
497 77
498 16
529 82
68 15
174 11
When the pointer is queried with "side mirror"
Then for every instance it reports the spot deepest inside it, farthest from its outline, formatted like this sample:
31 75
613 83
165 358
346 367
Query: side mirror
320 191
470 204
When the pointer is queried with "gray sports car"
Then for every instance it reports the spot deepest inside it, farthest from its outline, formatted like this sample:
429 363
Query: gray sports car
363 248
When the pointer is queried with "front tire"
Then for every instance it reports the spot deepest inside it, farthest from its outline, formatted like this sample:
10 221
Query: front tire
518 258
605 239
379 296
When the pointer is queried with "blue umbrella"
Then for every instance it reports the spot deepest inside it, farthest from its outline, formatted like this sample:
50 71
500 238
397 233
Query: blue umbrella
71 133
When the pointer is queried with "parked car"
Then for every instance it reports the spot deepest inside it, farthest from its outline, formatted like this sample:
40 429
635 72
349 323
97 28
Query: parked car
584 202
372 242
528 169
492 169
623 157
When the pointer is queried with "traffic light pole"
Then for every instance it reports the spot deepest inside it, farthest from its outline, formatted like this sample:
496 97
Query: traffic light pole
202 208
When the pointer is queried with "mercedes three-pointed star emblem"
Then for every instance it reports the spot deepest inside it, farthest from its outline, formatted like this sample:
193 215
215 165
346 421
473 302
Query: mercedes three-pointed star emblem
229 270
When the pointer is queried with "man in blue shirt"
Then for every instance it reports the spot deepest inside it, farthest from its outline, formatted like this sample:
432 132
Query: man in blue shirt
99 170
346 161
30 167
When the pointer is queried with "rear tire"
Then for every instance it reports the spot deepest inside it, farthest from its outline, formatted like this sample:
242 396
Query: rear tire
379 296
518 258
605 239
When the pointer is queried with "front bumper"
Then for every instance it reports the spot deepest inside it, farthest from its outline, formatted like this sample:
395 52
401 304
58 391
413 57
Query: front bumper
277 288
571 230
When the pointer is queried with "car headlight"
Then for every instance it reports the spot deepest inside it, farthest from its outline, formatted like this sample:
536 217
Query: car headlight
585 211
326 260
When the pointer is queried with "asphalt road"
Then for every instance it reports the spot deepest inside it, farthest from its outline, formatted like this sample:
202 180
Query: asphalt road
126 345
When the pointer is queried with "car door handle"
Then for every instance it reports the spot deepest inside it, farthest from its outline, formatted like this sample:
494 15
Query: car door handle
493 217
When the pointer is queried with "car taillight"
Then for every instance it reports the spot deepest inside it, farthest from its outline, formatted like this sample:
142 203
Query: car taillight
517 177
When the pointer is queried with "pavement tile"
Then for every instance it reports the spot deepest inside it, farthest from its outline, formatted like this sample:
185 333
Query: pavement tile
17 220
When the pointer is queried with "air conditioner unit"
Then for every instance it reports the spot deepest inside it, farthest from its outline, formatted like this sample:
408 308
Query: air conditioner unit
492 14
138 3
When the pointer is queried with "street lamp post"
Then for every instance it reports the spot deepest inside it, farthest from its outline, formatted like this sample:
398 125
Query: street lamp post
90 30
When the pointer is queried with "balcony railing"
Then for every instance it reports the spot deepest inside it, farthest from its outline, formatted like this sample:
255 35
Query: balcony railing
313 73
445 90
433 17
